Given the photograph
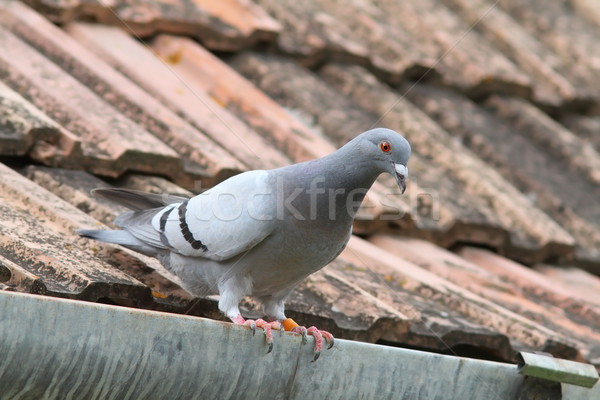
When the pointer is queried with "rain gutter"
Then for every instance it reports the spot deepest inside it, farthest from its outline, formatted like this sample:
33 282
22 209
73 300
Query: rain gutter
63 349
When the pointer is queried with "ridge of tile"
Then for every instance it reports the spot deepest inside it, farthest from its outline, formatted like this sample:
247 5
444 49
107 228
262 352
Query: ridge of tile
28 131
206 158
195 64
584 126
582 284
537 286
312 36
466 59
589 9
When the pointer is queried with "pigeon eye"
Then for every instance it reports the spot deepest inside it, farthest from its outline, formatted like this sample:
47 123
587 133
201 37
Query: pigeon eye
385 146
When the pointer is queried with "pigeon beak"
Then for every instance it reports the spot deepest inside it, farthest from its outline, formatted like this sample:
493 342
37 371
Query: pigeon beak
401 174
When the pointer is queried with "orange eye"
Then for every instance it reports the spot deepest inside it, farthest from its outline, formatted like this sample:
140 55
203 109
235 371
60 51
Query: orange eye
385 146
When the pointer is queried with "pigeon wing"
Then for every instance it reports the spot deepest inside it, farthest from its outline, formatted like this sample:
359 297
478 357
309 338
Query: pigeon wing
222 222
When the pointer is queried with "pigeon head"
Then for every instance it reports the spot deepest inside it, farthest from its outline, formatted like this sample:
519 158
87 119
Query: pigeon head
386 151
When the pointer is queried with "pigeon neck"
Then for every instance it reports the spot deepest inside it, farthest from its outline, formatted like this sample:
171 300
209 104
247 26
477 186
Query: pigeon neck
349 177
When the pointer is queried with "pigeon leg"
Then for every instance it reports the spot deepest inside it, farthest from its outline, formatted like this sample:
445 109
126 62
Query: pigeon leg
259 323
292 326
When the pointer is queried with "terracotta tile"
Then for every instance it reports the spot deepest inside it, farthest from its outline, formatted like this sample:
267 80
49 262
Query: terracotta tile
28 131
74 187
229 25
549 134
183 97
111 143
196 64
543 67
318 31
547 180
507 289
584 126
356 303
466 60
247 17
402 273
542 284
533 235
573 39
38 241
580 284
204 158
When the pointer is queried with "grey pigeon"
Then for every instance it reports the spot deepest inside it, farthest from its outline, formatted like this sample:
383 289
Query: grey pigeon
260 233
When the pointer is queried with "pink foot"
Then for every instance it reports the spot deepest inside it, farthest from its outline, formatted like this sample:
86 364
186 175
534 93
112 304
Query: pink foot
262 324
318 335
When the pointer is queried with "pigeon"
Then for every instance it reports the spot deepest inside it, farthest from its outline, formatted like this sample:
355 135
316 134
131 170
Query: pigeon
261 232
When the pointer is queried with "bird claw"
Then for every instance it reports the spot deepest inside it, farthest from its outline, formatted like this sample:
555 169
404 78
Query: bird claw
252 324
318 335
266 326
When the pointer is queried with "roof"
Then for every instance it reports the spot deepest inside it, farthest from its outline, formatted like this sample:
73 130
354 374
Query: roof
494 249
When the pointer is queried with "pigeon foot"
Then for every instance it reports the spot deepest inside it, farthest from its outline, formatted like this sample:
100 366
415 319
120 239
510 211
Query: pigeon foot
292 326
262 324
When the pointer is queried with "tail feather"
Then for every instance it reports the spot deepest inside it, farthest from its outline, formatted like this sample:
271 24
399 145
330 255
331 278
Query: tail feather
111 236
136 200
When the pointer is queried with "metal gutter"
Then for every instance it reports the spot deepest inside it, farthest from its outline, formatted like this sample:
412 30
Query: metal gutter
62 349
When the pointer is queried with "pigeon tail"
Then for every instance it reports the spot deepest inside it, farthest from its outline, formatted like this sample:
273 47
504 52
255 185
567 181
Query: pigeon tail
110 236
121 237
